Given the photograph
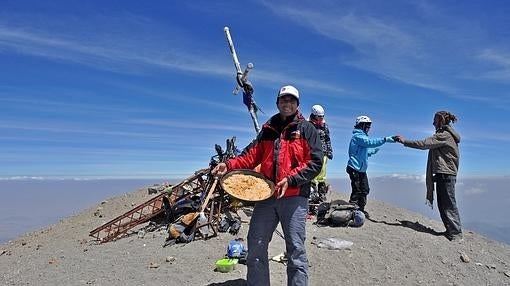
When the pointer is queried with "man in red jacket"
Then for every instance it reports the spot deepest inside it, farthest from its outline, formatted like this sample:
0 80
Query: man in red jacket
289 151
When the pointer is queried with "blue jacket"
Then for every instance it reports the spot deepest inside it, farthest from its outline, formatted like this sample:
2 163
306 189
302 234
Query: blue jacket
360 148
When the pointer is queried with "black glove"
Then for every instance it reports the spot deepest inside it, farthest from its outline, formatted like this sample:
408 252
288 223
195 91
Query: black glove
224 225
329 155
235 226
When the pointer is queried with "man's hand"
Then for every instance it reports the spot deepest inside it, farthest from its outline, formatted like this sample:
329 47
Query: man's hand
220 169
398 138
389 139
281 187
329 155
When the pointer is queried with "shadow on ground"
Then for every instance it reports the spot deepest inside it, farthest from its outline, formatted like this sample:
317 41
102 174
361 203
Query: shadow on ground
416 226
236 282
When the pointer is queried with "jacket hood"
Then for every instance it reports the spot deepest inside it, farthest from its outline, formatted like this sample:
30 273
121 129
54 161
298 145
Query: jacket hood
456 136
358 131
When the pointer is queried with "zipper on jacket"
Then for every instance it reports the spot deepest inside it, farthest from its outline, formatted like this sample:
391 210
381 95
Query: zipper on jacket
276 154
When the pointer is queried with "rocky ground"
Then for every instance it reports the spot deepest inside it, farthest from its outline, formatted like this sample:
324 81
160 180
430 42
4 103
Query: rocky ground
395 247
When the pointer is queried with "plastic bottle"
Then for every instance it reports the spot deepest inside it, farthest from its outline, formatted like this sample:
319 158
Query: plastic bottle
202 219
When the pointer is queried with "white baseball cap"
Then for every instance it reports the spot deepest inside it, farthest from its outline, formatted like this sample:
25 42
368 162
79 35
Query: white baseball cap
289 90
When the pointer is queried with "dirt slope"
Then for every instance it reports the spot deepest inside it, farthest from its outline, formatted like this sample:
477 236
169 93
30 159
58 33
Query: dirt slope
396 247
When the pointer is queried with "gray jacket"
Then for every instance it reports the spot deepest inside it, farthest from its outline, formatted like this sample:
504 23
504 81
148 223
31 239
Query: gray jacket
443 157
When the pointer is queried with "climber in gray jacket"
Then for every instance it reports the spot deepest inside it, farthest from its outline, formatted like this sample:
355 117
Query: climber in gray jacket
442 167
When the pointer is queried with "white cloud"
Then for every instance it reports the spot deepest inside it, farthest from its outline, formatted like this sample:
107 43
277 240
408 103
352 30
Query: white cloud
502 62
475 191
410 48
115 58
407 177
21 178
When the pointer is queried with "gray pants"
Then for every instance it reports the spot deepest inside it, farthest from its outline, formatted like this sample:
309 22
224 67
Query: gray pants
291 212
445 185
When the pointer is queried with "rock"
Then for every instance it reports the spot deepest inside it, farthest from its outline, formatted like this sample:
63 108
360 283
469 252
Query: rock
465 258
98 212
507 274
170 259
154 265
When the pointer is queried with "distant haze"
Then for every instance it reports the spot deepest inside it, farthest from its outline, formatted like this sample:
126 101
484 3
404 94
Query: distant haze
28 205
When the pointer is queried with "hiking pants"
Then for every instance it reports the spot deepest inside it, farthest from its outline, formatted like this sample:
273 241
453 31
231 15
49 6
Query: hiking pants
291 212
359 186
445 185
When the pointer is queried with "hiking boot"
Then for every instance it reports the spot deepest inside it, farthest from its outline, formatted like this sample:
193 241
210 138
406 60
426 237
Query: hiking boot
455 237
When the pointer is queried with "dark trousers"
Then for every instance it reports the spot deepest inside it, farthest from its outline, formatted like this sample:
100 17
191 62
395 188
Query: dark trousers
445 187
359 187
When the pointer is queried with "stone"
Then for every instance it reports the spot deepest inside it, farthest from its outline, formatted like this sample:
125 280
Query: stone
465 258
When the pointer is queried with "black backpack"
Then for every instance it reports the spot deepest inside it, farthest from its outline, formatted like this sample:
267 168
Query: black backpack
335 213
183 205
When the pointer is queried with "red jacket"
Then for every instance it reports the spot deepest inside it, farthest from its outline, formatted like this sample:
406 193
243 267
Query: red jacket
282 149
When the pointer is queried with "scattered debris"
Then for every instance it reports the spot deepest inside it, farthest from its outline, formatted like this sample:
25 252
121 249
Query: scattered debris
507 273
158 188
199 195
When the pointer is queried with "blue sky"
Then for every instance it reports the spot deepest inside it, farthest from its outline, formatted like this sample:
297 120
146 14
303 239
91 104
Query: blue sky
144 89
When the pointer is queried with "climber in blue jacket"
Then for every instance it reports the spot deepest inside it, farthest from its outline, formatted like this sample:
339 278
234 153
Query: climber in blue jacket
361 147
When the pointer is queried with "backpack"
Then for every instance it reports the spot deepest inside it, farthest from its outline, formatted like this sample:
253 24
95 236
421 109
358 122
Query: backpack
182 229
339 213
183 205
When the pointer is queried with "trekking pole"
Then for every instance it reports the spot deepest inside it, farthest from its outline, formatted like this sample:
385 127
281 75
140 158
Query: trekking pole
242 82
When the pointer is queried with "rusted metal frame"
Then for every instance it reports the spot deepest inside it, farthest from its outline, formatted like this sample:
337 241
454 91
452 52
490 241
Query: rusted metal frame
115 227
